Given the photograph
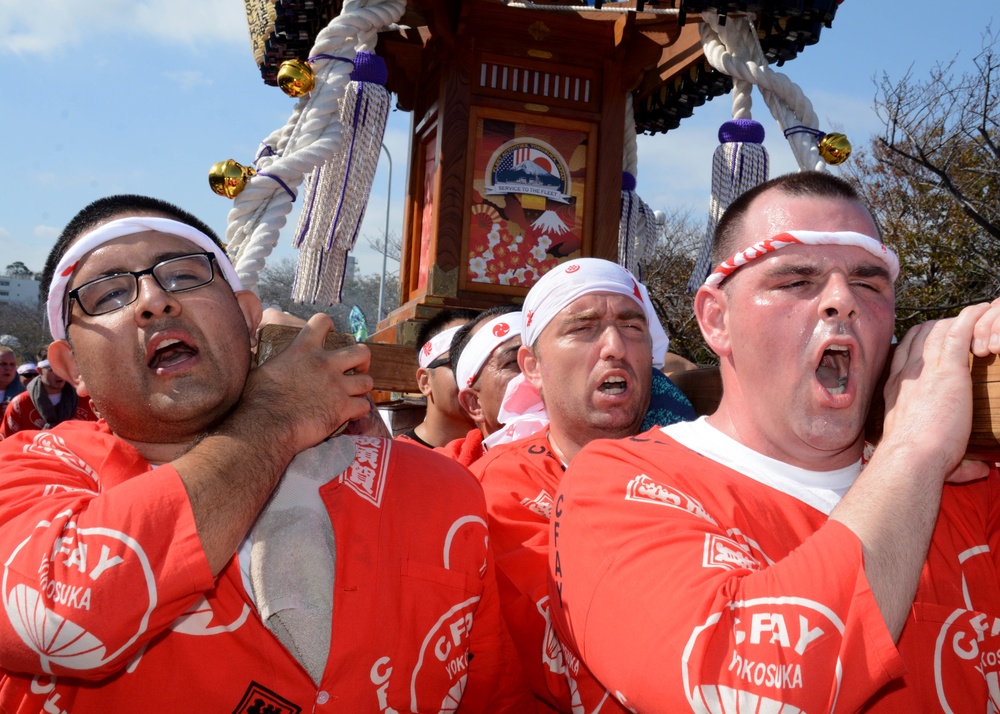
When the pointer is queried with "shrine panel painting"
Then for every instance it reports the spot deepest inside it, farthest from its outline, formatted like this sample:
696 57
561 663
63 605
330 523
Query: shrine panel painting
528 200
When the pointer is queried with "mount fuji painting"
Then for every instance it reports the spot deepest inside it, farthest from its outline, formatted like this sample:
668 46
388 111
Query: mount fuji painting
528 173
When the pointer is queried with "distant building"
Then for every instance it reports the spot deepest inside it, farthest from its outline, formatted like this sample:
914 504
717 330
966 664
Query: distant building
350 268
19 289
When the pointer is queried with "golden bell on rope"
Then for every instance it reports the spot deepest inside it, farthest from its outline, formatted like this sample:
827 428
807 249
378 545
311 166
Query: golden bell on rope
834 148
227 178
296 78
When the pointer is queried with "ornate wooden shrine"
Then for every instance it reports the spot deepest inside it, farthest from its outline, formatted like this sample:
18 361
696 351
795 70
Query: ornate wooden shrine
519 120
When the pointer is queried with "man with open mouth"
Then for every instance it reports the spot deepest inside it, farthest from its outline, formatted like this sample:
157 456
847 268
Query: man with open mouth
590 344
132 547
749 560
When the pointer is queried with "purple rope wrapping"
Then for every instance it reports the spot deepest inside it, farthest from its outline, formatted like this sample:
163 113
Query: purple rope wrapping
369 67
281 183
741 130
801 129
330 57
262 151
628 181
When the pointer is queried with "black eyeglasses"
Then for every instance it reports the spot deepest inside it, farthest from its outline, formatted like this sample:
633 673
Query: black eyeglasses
174 275
440 362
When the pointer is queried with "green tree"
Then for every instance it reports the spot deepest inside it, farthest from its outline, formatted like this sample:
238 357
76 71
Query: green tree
17 269
25 322
932 178
274 287
665 272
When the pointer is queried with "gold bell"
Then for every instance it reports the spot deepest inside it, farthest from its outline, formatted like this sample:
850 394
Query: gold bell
227 178
296 78
834 148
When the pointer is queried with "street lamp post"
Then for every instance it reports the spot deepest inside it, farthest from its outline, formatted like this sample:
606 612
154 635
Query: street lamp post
385 238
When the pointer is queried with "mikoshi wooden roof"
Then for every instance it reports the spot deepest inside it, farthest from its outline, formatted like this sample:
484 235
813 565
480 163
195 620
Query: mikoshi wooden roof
673 75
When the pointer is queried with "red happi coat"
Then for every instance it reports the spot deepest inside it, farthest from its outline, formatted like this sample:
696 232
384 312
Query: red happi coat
110 606
693 574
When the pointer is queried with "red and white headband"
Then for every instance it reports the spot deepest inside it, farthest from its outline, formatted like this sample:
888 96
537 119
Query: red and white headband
119 228
481 345
436 346
783 240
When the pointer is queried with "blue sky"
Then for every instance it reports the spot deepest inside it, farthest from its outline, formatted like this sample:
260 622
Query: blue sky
142 96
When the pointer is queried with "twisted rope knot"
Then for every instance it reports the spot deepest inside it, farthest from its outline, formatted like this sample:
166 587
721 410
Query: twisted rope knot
311 137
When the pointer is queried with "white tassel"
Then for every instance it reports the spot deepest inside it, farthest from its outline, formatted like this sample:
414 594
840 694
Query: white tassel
740 162
337 192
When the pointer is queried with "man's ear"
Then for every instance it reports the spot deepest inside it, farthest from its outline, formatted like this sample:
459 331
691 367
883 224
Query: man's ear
424 381
469 399
528 363
64 363
252 311
711 307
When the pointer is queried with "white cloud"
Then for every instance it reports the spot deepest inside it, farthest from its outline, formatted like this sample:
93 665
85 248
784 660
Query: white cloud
46 233
51 27
188 80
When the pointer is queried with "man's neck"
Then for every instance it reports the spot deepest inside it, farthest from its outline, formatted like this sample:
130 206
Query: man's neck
158 454
438 428
746 433
563 447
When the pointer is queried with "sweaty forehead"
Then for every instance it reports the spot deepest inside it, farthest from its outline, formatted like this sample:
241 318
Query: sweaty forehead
775 212
600 304
820 257
132 252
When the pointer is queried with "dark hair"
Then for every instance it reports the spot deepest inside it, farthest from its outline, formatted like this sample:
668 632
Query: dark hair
105 209
439 322
464 334
816 184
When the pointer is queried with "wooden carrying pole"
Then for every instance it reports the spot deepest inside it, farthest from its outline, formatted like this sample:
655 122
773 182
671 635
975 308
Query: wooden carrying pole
393 369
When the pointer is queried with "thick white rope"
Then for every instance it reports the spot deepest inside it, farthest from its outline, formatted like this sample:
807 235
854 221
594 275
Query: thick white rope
310 138
734 49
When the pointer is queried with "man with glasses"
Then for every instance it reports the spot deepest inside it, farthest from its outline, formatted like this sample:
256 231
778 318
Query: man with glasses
131 581
444 420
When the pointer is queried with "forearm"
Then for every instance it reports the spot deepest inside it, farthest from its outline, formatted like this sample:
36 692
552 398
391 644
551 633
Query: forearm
231 471
893 508
229 475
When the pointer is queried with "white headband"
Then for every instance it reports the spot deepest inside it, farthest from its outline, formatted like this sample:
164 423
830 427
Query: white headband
117 229
436 346
783 240
481 345
576 278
